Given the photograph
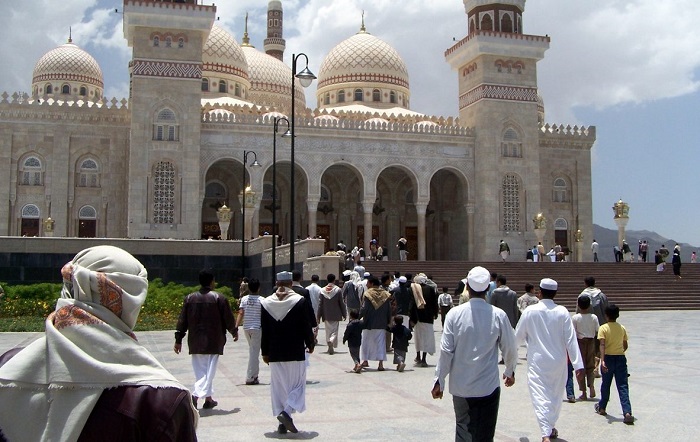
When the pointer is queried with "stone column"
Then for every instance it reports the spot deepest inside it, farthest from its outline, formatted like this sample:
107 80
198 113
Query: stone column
578 237
312 204
367 208
420 216
470 208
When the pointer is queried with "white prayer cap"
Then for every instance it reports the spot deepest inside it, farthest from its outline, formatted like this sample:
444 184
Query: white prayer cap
402 279
548 284
479 279
420 278
366 274
284 276
347 273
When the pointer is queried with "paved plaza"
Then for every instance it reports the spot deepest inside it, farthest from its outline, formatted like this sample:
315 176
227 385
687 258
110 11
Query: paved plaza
663 359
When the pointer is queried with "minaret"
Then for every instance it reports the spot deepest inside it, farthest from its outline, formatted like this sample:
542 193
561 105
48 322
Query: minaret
497 74
165 103
274 44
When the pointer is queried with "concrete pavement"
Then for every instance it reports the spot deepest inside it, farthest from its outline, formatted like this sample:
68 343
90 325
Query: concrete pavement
663 359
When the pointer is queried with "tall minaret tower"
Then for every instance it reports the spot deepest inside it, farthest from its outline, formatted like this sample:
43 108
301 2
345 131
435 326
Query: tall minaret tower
274 44
164 198
497 74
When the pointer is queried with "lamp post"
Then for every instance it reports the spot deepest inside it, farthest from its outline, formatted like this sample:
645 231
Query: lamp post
305 78
244 201
274 183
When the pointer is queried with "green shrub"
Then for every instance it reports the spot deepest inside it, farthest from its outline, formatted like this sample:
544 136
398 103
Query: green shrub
25 307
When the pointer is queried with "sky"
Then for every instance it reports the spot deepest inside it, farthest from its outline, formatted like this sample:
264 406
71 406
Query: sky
628 67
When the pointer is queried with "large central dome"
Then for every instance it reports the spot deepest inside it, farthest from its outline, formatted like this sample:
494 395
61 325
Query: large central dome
363 58
222 53
363 69
271 82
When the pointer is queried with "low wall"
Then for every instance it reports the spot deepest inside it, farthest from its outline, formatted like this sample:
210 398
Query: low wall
32 260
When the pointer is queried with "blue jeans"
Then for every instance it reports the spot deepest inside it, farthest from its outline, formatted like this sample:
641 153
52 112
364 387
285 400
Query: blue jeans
569 380
617 368
476 417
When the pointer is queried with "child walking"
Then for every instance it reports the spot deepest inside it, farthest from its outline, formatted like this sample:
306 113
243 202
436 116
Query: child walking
401 335
613 363
586 326
353 336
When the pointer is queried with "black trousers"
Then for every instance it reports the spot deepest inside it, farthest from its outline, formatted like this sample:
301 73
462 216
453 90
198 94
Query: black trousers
476 417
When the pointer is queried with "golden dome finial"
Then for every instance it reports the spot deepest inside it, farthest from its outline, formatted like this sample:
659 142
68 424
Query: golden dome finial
246 39
362 28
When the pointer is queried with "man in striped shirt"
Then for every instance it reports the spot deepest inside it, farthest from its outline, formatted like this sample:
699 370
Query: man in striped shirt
249 315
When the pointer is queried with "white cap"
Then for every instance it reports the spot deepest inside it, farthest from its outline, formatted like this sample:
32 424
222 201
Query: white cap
402 279
347 272
366 274
284 276
548 284
478 279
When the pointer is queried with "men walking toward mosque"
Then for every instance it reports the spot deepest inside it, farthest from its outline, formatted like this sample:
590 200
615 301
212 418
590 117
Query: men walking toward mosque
207 316
332 310
314 293
424 311
503 250
506 299
474 333
676 261
287 334
249 317
376 316
549 333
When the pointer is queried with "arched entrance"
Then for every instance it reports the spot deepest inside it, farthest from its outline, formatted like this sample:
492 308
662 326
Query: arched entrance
222 184
30 220
339 212
446 218
282 204
395 211
87 222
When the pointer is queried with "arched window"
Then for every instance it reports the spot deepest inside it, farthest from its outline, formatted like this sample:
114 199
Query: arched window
31 211
48 89
83 91
327 98
341 96
237 90
168 42
511 203
205 85
65 89
486 23
88 174
506 23
222 86
31 172
164 193
166 127
376 95
156 41
358 95
560 191
392 97
87 222
180 42
87 212
472 26
511 146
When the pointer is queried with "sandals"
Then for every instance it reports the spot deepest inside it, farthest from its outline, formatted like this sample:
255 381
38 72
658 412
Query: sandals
600 411
554 434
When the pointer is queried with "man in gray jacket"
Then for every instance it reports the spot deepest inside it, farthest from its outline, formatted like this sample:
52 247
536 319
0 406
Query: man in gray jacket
505 299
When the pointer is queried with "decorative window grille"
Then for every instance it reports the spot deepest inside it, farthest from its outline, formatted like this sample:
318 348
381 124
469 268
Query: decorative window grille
164 193
87 212
560 191
31 173
30 211
165 127
88 174
511 203
511 145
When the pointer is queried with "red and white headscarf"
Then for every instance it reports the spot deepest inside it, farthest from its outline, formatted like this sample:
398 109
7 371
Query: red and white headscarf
89 346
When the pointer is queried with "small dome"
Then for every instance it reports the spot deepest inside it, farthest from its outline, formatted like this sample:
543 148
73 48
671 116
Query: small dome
223 54
270 83
363 58
68 63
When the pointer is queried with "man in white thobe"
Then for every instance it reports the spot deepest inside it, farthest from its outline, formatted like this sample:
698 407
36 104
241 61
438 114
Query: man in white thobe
549 333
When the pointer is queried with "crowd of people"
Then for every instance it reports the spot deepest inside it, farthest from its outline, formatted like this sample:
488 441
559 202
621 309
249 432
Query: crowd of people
88 390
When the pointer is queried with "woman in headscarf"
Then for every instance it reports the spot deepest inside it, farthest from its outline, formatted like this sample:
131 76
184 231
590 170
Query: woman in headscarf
88 378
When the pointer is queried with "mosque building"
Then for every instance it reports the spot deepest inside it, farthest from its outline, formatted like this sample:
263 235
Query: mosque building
160 163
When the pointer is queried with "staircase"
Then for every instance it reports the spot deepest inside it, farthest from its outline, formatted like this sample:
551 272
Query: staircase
631 286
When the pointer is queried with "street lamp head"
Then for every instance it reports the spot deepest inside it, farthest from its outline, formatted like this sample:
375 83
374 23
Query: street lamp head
255 163
306 77
287 134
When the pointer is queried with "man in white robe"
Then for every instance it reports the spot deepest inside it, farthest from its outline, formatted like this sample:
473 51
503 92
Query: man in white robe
287 334
549 333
